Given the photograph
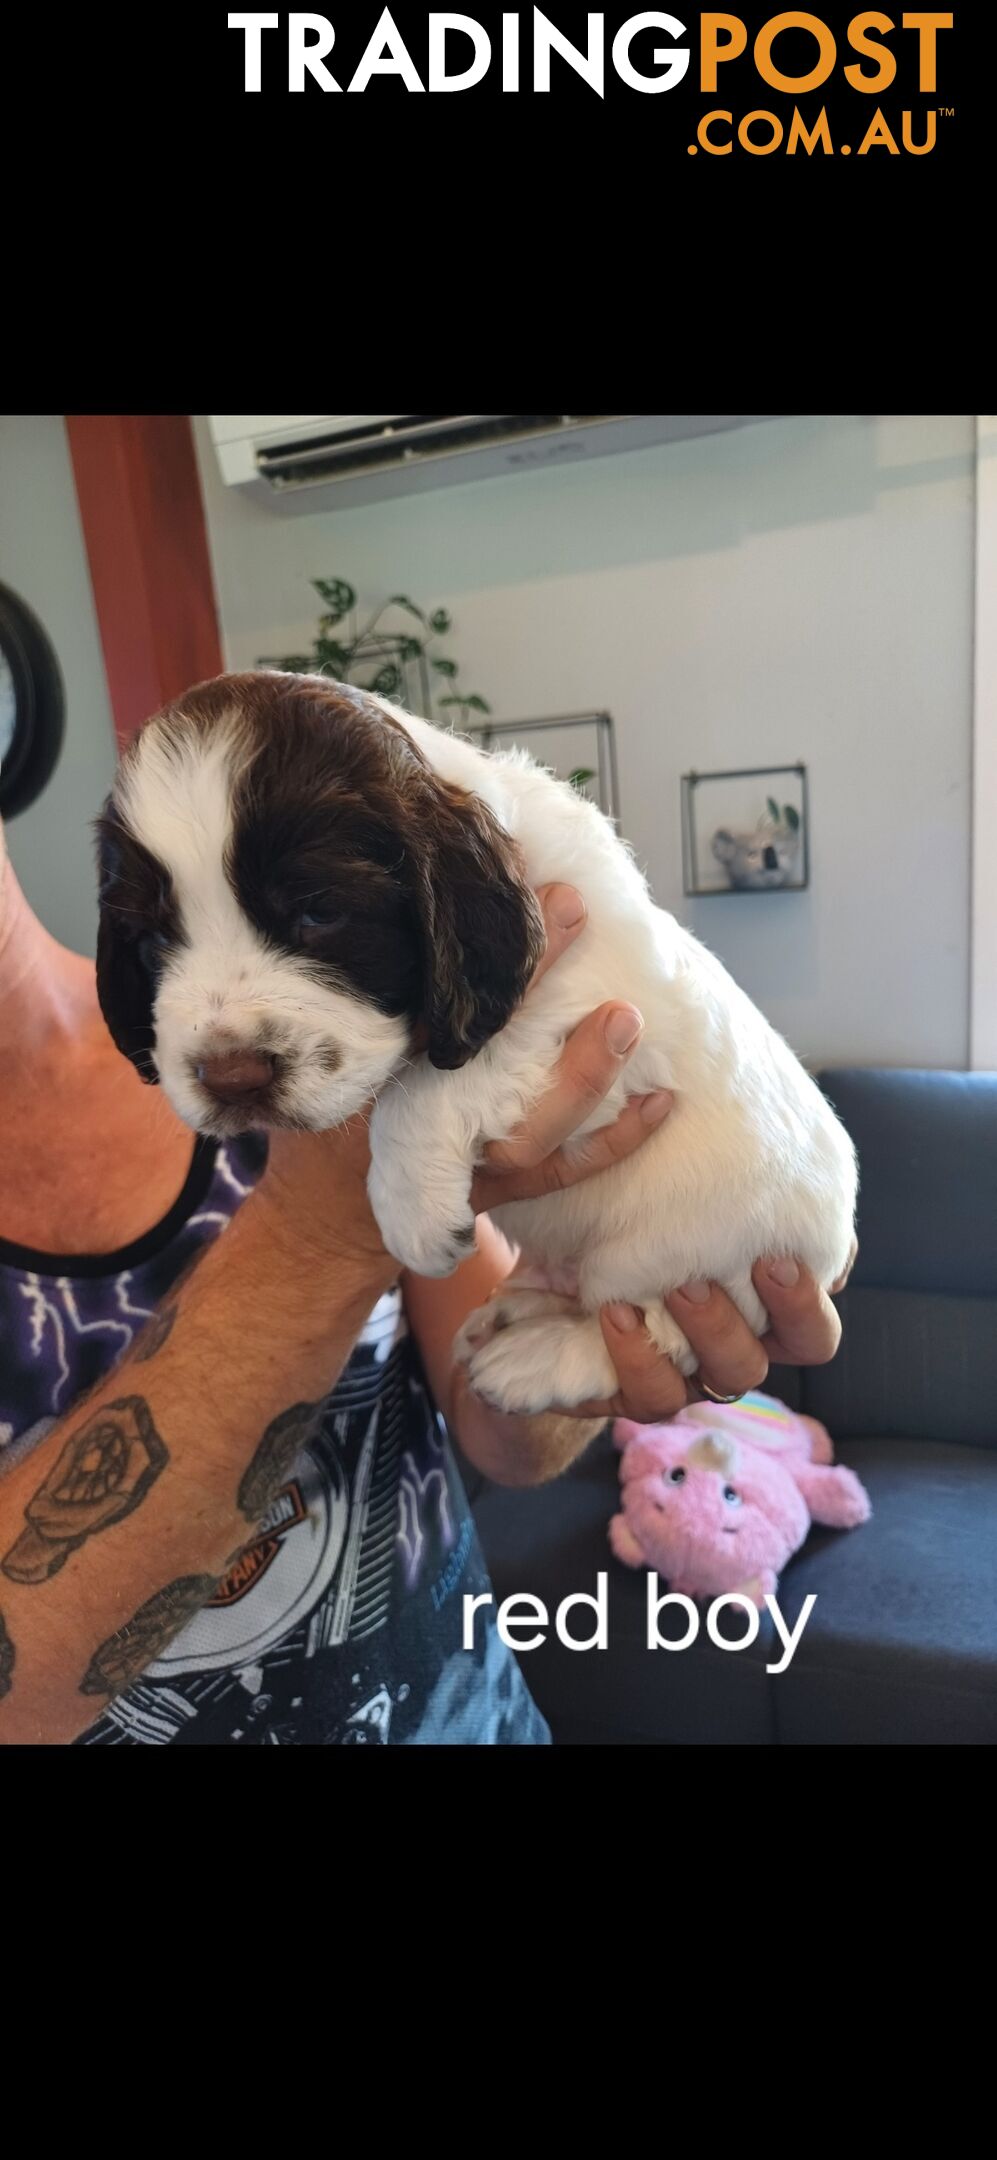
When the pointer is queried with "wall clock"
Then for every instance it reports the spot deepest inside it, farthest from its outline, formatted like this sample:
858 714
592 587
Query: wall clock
32 706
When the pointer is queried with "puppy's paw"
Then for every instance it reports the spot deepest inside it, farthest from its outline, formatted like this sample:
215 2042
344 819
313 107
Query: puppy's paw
435 1255
553 1363
507 1309
416 1234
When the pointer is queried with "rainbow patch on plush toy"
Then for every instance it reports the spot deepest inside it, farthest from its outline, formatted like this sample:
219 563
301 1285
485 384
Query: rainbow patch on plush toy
721 1498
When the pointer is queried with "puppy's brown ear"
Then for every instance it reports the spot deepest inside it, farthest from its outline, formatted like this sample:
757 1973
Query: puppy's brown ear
482 926
124 987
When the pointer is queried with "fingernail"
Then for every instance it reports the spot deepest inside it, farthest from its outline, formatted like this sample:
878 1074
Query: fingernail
623 1028
785 1272
698 1293
655 1107
565 906
624 1317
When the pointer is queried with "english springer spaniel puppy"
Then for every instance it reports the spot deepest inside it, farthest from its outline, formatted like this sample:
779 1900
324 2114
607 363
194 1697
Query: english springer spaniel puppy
311 901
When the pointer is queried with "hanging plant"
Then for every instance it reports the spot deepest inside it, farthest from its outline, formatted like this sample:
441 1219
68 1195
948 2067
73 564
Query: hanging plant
377 657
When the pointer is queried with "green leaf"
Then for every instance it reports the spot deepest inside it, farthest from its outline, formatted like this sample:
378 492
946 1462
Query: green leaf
792 817
580 775
387 681
338 594
410 648
773 810
331 653
439 620
451 701
477 704
402 600
293 664
446 667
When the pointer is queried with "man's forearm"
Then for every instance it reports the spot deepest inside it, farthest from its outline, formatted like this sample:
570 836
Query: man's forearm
119 1525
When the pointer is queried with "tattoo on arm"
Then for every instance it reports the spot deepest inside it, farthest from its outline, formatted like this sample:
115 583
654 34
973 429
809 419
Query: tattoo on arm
6 1660
125 1655
275 1458
103 1474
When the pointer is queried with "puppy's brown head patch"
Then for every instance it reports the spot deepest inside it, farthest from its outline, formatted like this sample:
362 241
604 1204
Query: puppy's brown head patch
348 850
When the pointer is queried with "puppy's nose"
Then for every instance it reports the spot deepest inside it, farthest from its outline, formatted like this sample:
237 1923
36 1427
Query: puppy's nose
238 1074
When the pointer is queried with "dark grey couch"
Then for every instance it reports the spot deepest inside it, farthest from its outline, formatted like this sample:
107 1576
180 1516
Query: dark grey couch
901 1645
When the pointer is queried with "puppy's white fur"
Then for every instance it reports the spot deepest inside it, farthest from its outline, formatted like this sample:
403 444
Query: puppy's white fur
750 1162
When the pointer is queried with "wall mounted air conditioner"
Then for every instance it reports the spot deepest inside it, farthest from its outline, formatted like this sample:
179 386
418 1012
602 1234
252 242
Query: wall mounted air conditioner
318 461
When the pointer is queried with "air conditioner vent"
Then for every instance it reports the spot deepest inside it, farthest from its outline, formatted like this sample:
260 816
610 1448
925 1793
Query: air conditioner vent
297 465
405 441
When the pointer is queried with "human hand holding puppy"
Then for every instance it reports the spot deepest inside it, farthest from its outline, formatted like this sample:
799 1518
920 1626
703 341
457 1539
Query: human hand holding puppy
805 1328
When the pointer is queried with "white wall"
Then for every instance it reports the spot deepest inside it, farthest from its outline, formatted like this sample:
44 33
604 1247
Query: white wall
799 589
42 556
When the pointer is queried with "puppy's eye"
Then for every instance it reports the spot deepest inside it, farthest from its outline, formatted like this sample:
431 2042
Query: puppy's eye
319 925
676 1477
732 1498
152 950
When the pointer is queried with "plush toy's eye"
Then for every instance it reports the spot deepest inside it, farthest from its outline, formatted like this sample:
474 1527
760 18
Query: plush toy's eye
732 1498
676 1477
152 950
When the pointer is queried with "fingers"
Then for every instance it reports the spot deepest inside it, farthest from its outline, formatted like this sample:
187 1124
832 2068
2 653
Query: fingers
650 1386
529 1162
612 1142
559 1170
592 1059
731 1358
805 1328
564 915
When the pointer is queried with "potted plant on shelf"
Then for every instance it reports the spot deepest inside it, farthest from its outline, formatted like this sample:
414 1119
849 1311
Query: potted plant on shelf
393 662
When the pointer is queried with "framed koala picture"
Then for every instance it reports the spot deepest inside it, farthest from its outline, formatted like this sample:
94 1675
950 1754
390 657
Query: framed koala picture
746 831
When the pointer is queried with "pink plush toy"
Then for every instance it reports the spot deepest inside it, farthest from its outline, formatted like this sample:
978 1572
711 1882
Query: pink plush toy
723 1496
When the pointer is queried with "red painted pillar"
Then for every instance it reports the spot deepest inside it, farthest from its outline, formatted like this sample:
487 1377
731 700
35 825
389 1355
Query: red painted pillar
143 519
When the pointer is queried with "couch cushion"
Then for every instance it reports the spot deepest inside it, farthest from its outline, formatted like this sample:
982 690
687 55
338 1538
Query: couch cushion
927 1149
912 1364
901 1645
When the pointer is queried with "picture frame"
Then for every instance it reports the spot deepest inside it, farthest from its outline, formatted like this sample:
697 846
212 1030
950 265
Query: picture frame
580 747
746 830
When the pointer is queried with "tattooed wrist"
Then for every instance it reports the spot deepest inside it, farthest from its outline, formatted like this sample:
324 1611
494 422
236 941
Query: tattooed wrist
102 1474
